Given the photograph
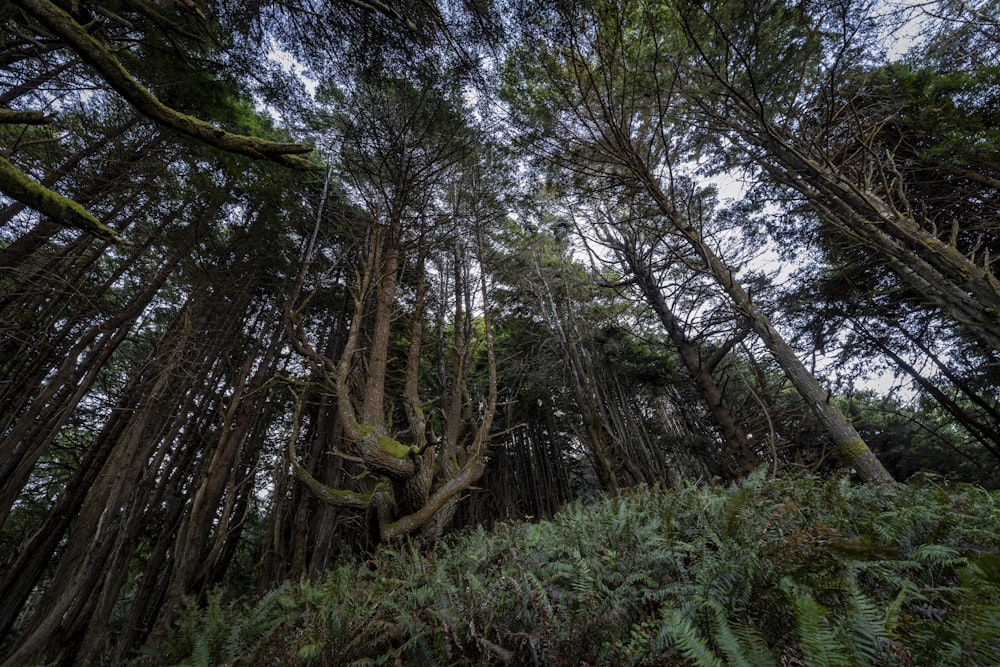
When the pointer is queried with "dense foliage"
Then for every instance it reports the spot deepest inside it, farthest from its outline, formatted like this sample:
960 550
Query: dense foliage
287 285
765 572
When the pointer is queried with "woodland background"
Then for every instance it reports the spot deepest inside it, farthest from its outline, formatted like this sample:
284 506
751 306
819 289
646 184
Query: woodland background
284 281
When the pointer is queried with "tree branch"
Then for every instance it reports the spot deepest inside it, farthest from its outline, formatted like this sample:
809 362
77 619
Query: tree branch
95 54
26 117
328 495
18 185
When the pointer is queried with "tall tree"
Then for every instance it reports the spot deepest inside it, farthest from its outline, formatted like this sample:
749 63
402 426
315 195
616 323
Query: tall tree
778 77
414 168
601 97
608 378
917 137
643 267
163 435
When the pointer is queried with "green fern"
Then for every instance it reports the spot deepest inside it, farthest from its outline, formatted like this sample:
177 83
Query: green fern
761 573
816 637
863 628
742 647
683 633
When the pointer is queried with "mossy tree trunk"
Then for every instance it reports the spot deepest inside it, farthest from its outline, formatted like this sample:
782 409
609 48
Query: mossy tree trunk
407 157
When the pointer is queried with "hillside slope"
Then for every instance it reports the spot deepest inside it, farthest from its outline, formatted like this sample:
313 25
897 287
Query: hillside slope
793 571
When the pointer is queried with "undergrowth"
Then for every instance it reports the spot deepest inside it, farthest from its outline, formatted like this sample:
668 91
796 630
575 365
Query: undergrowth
793 571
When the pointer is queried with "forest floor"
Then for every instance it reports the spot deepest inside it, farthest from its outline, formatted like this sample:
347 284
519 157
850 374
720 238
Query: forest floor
789 571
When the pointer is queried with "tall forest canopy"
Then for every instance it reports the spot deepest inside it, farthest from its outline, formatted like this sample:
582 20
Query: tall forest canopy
281 282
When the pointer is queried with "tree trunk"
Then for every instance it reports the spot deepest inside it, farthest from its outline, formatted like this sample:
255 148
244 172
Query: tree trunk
852 447
97 527
210 511
20 452
745 458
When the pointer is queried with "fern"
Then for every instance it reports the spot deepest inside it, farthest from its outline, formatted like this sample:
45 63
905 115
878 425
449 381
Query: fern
766 572
817 639
685 636
860 627
309 653
742 649
201 656
754 645
938 555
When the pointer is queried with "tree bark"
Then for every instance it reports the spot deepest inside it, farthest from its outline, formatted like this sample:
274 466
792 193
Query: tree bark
97 528
20 453
203 531
746 459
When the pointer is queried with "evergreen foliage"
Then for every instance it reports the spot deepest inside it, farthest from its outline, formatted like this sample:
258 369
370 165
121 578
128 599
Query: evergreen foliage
790 571
509 275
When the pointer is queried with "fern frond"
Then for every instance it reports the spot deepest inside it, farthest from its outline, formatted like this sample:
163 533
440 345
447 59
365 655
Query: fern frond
863 627
737 654
938 555
816 637
756 650
684 635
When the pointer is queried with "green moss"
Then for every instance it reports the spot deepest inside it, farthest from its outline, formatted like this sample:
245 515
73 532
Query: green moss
853 448
18 185
395 448
107 65
386 444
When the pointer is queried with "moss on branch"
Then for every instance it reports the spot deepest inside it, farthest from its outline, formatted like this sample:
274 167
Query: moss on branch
329 495
394 447
324 493
62 210
94 53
